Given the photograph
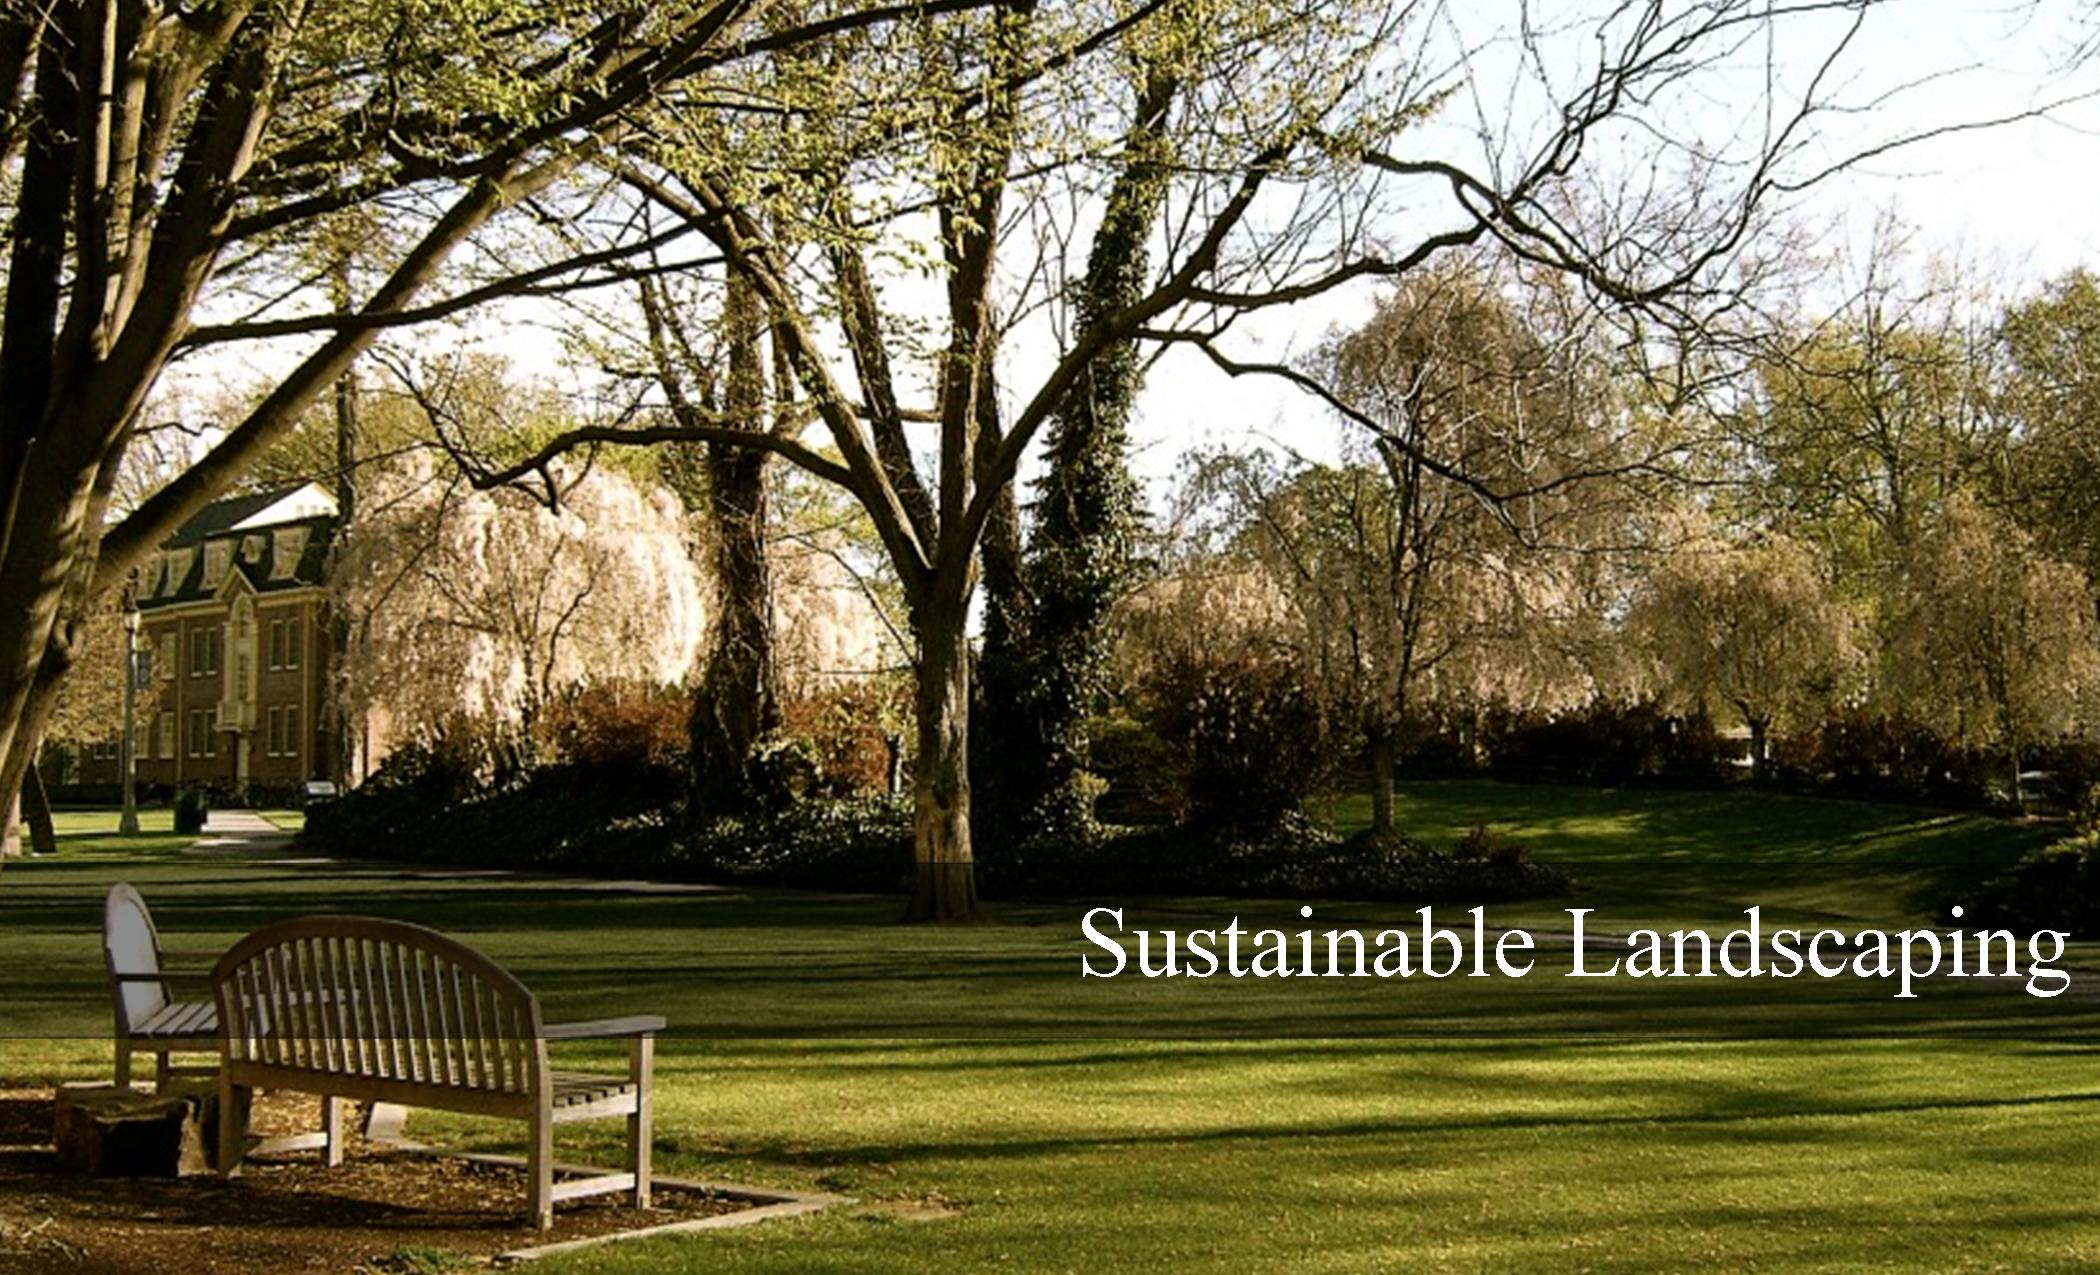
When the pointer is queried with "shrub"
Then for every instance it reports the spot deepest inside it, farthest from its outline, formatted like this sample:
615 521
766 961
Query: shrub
1491 845
191 808
2085 814
1293 858
2056 887
422 805
1606 742
859 844
1247 737
846 737
613 726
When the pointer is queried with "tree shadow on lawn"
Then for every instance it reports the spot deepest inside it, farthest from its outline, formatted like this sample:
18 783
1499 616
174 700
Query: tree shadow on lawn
1579 824
1725 1124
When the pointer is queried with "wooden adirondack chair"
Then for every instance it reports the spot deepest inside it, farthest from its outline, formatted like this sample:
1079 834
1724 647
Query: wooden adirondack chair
148 1017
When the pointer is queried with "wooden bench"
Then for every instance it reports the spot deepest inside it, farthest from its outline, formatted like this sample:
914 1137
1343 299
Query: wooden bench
148 1018
381 1011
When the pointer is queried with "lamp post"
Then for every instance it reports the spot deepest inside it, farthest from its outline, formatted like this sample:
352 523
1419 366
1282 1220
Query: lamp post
136 664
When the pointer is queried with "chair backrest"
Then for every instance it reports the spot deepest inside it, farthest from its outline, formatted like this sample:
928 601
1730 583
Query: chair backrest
386 1000
130 945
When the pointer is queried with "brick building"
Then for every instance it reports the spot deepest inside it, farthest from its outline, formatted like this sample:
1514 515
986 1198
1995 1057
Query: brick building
233 613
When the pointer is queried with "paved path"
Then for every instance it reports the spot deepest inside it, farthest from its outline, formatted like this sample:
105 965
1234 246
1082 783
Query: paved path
240 832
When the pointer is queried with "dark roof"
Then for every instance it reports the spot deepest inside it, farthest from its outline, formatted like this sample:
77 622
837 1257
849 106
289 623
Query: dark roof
222 514
215 523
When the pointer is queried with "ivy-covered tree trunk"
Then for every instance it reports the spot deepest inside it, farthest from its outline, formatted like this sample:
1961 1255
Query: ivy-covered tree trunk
737 702
1046 633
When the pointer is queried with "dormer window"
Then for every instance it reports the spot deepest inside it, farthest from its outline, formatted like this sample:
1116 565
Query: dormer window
252 548
178 569
289 547
218 557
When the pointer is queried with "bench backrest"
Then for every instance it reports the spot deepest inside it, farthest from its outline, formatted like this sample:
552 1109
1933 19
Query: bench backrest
377 999
131 945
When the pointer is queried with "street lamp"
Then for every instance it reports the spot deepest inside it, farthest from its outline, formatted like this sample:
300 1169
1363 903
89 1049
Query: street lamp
138 667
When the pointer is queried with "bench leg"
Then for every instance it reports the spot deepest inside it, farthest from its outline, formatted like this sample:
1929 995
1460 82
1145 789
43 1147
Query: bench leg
123 1063
640 1064
332 1130
163 1071
539 1167
233 1124
385 1121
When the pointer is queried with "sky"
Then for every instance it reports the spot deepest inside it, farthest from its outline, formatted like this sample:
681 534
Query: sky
2020 200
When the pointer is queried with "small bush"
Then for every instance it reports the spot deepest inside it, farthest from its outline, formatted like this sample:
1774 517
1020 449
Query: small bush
191 809
1248 738
845 737
2085 812
616 725
1293 858
2056 887
1491 845
861 844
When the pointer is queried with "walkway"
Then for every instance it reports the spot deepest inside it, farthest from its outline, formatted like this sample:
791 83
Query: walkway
240 832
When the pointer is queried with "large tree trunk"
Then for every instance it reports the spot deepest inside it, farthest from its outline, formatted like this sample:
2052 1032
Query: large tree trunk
1381 759
1758 731
944 878
738 700
36 812
35 718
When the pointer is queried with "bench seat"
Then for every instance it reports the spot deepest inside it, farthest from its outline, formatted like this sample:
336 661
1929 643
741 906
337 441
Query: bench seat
181 1021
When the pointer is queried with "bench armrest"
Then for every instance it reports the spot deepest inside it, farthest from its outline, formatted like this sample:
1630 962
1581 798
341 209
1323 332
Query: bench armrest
165 976
634 1025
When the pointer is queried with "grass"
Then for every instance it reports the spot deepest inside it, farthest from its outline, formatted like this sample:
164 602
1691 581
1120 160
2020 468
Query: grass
1115 1125
287 820
85 834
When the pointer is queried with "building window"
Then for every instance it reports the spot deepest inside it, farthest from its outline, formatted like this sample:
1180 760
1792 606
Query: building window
141 741
284 644
204 732
288 547
205 644
284 731
178 570
218 557
167 735
164 659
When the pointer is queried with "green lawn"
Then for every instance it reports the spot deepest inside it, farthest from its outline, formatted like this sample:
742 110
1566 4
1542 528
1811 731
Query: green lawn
93 834
1116 1125
289 820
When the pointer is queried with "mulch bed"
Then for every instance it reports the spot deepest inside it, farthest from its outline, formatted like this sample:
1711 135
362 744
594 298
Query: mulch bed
385 1211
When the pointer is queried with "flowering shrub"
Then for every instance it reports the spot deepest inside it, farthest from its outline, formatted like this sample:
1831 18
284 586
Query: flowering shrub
1246 735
